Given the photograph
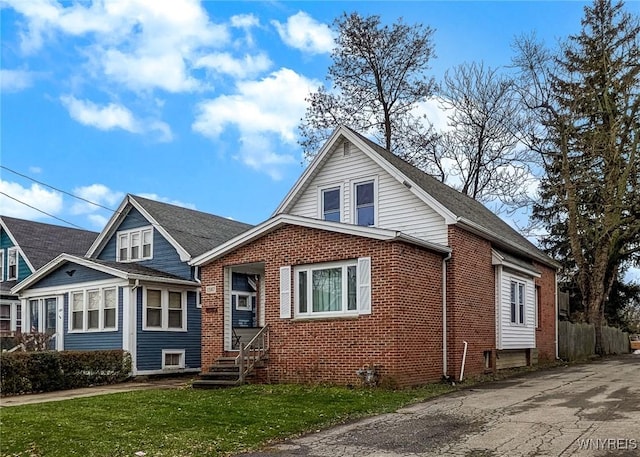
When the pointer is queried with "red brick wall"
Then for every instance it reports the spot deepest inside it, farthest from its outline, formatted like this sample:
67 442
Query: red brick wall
547 321
470 302
402 336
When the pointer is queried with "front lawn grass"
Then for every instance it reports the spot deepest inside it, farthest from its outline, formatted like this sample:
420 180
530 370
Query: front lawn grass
186 422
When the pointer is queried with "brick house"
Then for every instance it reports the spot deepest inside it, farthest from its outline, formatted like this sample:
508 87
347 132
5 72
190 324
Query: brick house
370 263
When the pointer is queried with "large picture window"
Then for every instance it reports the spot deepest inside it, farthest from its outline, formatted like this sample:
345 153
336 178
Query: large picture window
165 310
134 245
326 289
93 310
517 303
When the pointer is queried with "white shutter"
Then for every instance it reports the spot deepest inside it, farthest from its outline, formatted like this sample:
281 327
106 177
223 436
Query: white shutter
285 292
364 285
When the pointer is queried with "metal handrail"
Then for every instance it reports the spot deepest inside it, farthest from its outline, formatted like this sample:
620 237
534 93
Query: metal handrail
251 353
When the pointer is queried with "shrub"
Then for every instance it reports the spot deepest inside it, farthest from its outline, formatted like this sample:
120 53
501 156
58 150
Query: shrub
46 371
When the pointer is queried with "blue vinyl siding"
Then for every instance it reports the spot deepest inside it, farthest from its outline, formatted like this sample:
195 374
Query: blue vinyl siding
240 317
165 256
60 277
151 343
90 341
23 269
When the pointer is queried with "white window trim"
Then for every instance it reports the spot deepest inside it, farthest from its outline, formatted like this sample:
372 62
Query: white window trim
517 322
128 234
354 212
180 352
42 313
2 265
321 191
11 251
85 311
164 301
249 295
14 316
344 312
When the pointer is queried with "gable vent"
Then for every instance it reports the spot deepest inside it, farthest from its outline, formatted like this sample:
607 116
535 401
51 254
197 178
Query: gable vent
346 148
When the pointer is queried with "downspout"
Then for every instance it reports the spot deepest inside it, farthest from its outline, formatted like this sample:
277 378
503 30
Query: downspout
444 316
555 317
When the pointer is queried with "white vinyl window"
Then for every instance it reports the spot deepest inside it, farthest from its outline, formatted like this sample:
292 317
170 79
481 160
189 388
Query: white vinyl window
332 289
365 210
517 303
12 264
173 359
5 317
134 245
243 301
165 310
1 265
93 310
41 315
330 200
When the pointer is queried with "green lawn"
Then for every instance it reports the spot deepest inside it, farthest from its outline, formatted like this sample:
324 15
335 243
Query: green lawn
187 422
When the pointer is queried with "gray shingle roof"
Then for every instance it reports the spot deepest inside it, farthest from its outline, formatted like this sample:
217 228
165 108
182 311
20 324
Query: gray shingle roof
41 243
195 231
460 204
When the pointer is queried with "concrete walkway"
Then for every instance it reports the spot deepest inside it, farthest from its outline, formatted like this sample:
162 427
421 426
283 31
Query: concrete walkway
581 410
151 383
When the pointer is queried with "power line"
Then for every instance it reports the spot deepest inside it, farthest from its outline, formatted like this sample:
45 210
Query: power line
56 189
41 211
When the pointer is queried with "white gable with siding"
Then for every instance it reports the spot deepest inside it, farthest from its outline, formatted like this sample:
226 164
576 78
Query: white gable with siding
396 207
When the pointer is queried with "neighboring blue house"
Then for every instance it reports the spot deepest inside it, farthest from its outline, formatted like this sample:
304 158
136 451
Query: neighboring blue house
134 289
26 246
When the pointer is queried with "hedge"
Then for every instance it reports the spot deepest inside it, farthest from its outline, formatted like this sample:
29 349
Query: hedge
46 371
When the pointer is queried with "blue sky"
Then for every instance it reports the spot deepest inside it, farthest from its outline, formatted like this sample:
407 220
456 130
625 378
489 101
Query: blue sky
196 103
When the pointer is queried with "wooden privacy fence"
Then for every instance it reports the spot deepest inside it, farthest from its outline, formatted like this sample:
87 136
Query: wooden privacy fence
578 341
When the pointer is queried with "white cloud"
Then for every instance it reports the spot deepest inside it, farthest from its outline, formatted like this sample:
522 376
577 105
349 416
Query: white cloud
15 80
225 63
36 196
435 113
158 198
244 21
264 110
98 194
107 117
142 44
113 116
35 170
303 32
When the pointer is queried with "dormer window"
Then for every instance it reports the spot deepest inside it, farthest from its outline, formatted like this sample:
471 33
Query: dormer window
134 245
331 204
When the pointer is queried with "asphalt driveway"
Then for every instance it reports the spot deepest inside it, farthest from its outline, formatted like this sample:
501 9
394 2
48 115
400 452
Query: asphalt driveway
580 410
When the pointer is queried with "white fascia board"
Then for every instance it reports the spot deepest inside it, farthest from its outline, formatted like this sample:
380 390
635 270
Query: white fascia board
109 229
161 280
17 246
55 263
488 235
59 290
309 172
425 244
497 259
414 188
184 255
338 227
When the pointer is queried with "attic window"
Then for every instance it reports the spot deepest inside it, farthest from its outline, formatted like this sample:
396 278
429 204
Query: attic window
134 245
12 270
346 148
